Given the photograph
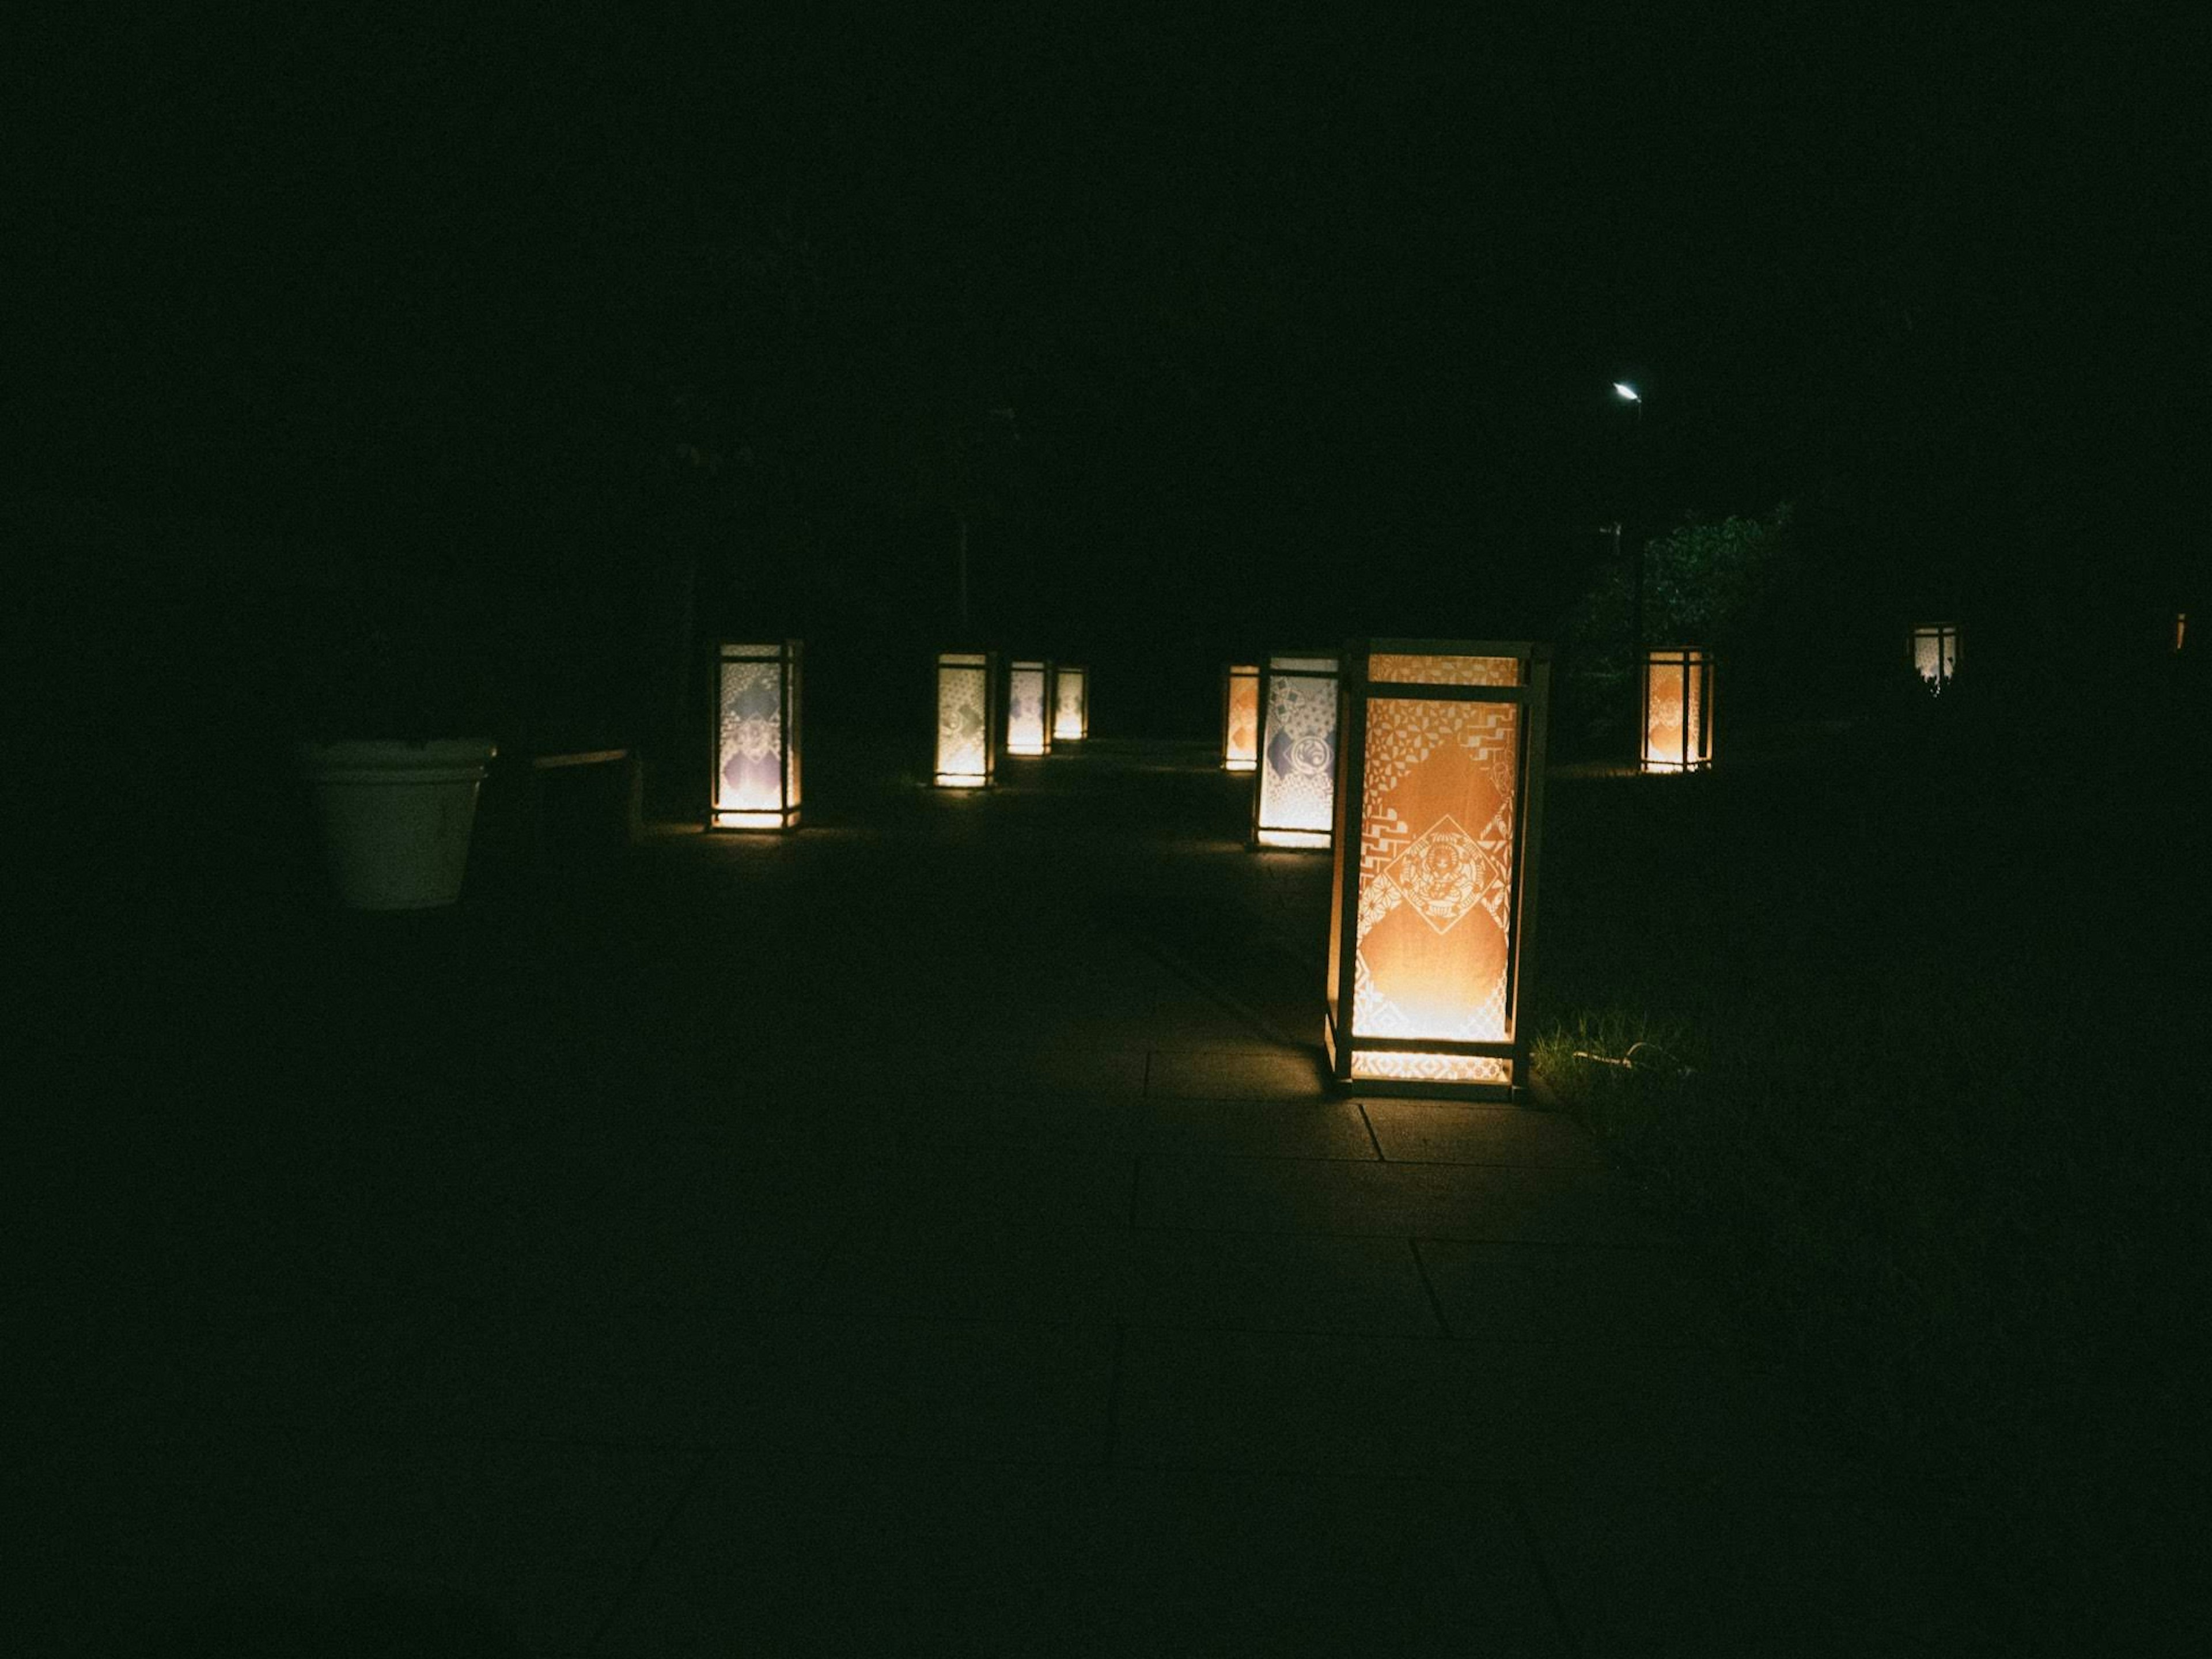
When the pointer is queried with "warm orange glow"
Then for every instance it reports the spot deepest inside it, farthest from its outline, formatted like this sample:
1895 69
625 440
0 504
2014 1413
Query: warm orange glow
2180 629
756 774
1935 654
1677 710
1028 687
964 755
1070 704
1442 774
1240 718
1292 805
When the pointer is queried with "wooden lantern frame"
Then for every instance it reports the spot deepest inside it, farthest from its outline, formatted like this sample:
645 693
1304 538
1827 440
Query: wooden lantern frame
1689 668
1270 830
1944 637
1369 867
784 656
1063 673
985 664
1234 675
1042 667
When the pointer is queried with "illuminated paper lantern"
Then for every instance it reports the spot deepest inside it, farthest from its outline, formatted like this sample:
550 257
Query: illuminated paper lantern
1935 654
967 733
1240 717
755 784
1070 704
1677 710
1439 805
2180 629
1028 699
1297 761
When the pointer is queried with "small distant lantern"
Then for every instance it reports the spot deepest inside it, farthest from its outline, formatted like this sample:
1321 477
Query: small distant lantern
756 737
2180 629
1029 702
1070 704
1439 805
1240 717
1935 654
967 738
1678 710
1296 760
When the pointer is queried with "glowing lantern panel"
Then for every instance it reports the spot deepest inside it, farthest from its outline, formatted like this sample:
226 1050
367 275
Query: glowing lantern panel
1441 789
1070 704
1677 710
755 784
1297 788
1935 655
965 750
1028 687
1240 717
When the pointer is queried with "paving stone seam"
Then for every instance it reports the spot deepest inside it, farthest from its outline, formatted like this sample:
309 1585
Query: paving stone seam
619 1601
1428 1290
1517 1503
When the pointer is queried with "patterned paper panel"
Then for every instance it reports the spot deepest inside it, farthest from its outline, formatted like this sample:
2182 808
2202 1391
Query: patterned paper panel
1025 733
1436 871
961 748
1672 713
1935 654
1407 1066
1297 773
1430 669
1242 741
1071 700
752 754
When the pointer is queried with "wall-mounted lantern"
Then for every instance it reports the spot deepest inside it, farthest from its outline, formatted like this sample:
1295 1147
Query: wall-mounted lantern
1071 703
1439 803
755 784
1240 717
1678 710
1296 782
1029 700
967 727
1935 654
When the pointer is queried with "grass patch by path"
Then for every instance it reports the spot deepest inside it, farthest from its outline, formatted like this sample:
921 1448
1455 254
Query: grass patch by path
1938 1138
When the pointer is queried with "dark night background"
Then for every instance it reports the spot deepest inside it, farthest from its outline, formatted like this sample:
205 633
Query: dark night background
1307 329
378 374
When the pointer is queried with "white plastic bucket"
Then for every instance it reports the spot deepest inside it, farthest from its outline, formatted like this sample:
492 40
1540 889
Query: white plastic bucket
396 817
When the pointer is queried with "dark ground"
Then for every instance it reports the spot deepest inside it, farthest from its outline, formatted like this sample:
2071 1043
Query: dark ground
921 1234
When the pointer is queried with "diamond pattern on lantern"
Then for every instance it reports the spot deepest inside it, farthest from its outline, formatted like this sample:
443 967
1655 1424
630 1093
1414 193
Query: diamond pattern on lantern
1444 874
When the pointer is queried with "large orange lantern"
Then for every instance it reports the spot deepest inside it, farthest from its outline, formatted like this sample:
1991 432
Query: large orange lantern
1296 782
1240 717
1071 703
755 784
1028 707
967 731
1935 654
1439 800
1677 710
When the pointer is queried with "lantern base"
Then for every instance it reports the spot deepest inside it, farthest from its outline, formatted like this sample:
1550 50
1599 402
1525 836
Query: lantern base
960 781
1309 840
727 819
1240 766
1448 1071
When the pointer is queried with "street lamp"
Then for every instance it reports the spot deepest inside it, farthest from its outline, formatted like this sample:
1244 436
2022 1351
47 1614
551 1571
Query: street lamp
1628 394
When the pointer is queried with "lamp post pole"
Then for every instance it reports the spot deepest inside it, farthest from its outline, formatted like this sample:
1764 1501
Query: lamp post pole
1630 395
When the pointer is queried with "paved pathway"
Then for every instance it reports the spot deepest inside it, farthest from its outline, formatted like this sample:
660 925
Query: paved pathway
926 1235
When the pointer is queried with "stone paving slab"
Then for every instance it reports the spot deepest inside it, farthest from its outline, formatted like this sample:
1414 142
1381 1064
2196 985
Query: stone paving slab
1593 1295
133 1539
1446 1132
1405 1201
838 1384
1222 1400
818 1556
987 1267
